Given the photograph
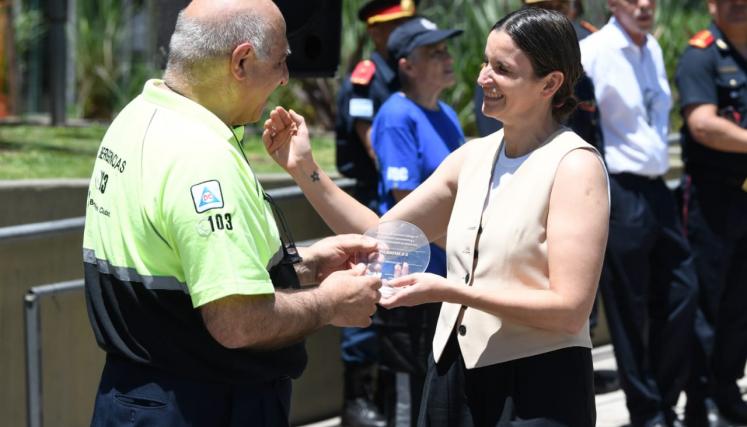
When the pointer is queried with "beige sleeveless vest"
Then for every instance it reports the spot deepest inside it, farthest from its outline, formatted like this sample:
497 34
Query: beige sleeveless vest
512 250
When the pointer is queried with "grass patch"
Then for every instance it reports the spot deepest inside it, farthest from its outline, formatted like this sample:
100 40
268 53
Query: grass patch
28 152
33 152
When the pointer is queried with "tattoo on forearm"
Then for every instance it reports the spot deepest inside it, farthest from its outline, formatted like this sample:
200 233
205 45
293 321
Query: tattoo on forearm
315 176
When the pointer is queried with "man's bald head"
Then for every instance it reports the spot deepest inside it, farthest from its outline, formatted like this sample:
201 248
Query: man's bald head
229 56
222 9
210 29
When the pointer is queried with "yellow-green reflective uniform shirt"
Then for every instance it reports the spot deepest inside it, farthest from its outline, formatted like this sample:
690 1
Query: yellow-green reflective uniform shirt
177 219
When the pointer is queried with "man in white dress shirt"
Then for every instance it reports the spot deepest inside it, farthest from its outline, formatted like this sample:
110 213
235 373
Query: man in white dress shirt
648 282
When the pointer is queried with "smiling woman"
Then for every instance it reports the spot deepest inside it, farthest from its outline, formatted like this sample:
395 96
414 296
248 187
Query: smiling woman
512 339
517 64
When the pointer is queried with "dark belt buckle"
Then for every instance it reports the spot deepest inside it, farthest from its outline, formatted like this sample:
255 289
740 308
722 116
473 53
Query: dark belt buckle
744 185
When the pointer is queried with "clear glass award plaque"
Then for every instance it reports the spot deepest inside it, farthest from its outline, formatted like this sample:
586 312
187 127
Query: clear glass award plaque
403 249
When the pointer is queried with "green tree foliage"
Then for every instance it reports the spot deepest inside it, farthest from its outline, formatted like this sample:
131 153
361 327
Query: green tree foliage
108 75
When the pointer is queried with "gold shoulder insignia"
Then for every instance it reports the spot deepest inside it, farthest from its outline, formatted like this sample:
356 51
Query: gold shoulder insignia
702 39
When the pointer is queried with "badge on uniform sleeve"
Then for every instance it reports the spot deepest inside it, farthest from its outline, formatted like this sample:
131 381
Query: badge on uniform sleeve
206 195
361 107
396 174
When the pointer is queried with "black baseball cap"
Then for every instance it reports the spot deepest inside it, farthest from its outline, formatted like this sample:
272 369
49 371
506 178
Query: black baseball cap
414 33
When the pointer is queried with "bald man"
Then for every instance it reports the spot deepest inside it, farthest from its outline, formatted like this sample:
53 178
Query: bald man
197 297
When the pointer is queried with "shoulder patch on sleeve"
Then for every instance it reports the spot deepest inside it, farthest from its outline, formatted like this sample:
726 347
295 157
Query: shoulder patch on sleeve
207 195
702 39
363 72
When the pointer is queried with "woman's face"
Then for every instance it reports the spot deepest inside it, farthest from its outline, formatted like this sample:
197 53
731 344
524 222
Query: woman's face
508 80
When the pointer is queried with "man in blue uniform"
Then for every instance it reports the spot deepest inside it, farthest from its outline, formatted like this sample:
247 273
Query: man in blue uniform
712 80
361 95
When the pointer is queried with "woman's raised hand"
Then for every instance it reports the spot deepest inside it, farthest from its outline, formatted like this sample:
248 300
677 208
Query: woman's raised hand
286 138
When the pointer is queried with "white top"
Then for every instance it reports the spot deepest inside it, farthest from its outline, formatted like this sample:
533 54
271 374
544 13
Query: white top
504 169
631 89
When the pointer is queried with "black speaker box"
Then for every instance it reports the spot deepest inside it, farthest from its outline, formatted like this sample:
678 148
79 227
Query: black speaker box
313 28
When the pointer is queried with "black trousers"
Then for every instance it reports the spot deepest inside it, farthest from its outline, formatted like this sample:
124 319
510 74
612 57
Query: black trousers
715 216
131 394
649 288
547 390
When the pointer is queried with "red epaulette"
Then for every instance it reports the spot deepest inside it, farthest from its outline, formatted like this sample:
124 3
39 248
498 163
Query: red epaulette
588 106
363 72
702 39
588 26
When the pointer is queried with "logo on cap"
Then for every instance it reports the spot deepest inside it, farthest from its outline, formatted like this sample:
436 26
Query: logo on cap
428 25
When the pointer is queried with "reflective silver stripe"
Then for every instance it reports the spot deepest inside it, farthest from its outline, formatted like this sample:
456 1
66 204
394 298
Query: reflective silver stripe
154 283
275 259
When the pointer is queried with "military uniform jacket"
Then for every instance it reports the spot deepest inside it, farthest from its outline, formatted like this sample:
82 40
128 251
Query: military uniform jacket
712 72
510 236
360 99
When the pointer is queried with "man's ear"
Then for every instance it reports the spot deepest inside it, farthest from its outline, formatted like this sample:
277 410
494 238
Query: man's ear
239 57
552 83
404 65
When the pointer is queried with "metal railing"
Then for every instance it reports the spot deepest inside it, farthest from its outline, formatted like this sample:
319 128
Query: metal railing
33 344
31 301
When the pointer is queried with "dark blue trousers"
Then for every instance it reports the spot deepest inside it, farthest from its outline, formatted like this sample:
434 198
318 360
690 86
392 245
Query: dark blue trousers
359 346
131 394
649 288
715 216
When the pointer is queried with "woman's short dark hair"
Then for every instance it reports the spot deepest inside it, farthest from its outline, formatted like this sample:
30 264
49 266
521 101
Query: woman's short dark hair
549 40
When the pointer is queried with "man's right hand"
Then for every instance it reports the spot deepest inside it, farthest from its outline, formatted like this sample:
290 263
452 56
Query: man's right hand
353 296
